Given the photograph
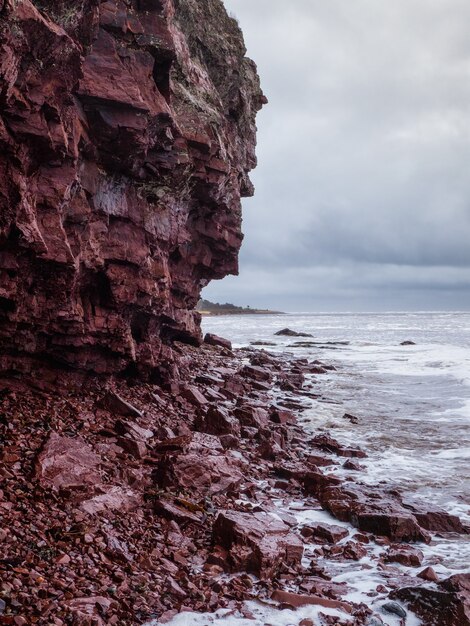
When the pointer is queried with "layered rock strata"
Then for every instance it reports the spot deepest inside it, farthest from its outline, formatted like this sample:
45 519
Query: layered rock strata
127 132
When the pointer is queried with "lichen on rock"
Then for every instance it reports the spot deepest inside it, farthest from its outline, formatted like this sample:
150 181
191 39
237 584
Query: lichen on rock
127 133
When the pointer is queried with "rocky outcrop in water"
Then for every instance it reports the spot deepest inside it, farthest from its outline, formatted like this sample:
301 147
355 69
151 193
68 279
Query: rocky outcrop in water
127 132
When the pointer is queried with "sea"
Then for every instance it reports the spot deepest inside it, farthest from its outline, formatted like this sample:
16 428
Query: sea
413 408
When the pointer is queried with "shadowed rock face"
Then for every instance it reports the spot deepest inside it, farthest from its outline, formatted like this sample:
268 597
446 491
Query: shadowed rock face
127 131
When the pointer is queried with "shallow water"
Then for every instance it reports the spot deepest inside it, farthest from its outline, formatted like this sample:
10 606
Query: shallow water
413 406
413 402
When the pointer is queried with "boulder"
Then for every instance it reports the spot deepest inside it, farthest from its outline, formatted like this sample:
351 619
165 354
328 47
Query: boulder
328 444
253 416
218 421
330 533
447 604
297 600
287 332
113 499
201 474
257 542
194 396
256 373
404 554
371 510
282 416
215 340
435 519
67 463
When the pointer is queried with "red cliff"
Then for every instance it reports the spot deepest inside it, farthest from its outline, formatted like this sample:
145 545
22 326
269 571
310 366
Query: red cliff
127 132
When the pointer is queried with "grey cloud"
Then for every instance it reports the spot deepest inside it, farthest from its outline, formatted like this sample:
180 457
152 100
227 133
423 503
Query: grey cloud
362 184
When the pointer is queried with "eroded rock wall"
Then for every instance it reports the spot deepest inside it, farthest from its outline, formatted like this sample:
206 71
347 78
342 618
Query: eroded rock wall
127 132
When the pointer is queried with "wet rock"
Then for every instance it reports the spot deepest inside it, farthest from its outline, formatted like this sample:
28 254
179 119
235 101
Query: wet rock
215 340
282 416
287 332
371 511
256 373
327 532
67 463
248 415
435 519
407 343
446 605
394 608
132 429
328 444
406 555
429 574
352 418
297 600
257 542
113 403
353 466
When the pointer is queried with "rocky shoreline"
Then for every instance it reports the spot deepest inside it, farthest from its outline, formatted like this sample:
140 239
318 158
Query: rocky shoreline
124 502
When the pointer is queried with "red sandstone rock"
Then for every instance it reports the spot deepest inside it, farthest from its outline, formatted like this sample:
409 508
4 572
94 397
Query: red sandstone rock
252 416
67 463
282 416
328 444
201 474
327 532
448 605
218 421
113 403
126 147
429 574
193 395
257 542
435 519
406 555
297 600
215 340
114 498
374 512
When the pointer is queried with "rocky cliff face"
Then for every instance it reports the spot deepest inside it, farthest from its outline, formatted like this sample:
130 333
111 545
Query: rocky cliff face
127 132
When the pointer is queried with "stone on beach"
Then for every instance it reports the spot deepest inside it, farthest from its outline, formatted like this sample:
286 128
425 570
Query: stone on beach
446 605
67 463
257 542
215 340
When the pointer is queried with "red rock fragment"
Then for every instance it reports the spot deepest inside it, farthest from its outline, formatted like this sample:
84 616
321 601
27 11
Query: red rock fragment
113 403
327 532
429 574
297 600
215 340
257 542
67 463
404 554
446 605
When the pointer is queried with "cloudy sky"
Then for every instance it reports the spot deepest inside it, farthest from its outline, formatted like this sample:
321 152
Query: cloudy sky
363 185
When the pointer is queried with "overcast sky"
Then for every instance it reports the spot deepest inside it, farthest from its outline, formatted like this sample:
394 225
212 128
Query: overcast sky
363 184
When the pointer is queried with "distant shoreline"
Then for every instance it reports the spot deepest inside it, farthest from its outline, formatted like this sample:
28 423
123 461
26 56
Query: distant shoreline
240 312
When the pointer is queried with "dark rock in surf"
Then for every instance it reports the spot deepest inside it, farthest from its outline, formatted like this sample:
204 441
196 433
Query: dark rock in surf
287 332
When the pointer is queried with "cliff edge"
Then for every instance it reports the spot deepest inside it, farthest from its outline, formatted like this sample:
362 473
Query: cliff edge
127 132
